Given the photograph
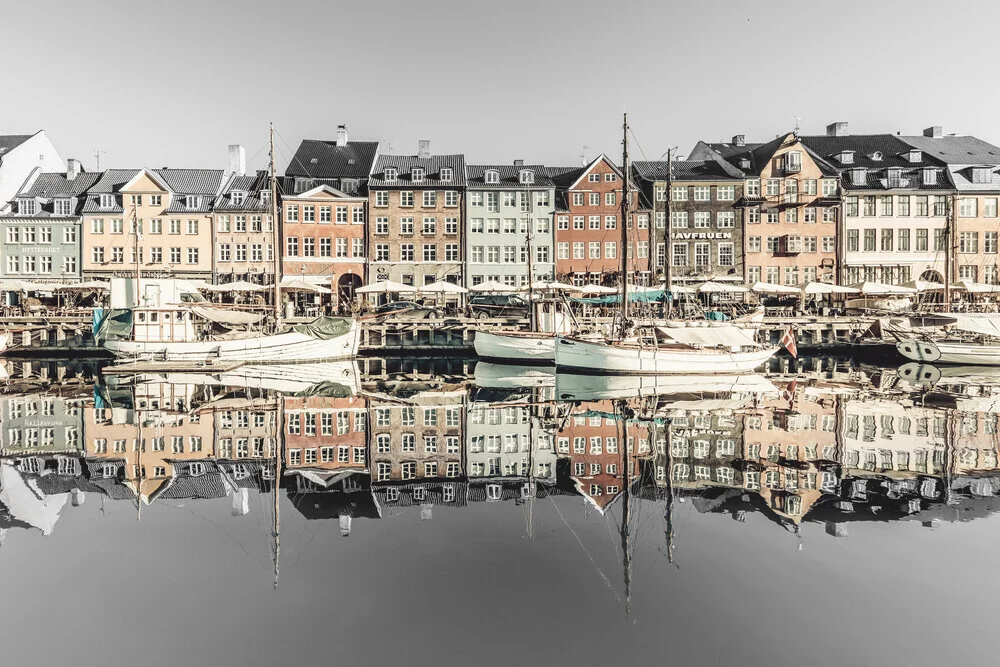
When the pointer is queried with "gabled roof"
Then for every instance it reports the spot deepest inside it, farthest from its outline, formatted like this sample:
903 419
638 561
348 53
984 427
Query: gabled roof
876 154
51 185
404 165
509 176
956 150
688 170
324 187
702 149
252 185
325 159
200 182
571 178
9 142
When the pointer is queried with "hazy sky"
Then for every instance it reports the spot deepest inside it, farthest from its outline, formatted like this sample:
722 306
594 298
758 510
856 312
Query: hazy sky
172 84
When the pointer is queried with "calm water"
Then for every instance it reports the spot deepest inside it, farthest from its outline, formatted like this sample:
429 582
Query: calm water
434 512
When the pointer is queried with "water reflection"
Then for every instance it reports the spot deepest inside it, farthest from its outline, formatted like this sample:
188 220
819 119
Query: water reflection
840 444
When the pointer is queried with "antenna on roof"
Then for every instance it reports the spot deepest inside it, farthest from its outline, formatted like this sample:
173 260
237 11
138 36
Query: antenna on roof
97 153
798 119
583 156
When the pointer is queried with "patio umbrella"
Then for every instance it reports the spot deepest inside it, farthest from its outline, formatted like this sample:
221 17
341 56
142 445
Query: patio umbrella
385 286
976 288
237 286
826 288
492 286
682 289
595 290
772 288
84 287
713 287
21 286
923 285
547 285
297 285
869 287
443 287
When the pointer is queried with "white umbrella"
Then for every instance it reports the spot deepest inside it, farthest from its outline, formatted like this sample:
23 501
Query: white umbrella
868 287
443 287
682 289
772 288
22 286
976 288
296 285
492 286
596 290
826 288
923 285
713 287
83 287
547 285
237 286
385 286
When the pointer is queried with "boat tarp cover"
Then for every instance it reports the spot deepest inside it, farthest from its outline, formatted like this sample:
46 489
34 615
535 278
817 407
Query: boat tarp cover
114 324
652 296
221 316
326 389
988 325
708 336
325 328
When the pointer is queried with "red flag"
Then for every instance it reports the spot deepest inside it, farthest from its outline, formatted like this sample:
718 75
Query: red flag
788 340
790 392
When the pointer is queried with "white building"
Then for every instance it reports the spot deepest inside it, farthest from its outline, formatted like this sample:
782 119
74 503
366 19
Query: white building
20 154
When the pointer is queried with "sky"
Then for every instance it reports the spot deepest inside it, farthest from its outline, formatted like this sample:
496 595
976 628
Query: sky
154 84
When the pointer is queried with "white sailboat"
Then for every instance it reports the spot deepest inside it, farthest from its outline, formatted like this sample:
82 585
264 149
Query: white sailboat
177 328
954 338
664 350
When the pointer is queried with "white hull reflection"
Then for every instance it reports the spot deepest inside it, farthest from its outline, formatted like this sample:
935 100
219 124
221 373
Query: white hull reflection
950 352
516 348
512 376
580 356
573 387
282 378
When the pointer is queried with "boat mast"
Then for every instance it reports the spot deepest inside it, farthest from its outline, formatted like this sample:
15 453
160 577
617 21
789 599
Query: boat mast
626 508
135 250
624 226
667 277
275 238
531 291
948 247
279 431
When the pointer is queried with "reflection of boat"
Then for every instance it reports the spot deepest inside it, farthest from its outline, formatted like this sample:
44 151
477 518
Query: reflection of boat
571 387
282 378
950 352
5 341
954 338
509 376
517 347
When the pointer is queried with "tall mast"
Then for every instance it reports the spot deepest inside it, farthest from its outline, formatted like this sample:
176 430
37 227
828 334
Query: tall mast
948 247
275 238
667 272
279 431
626 508
531 290
135 249
624 225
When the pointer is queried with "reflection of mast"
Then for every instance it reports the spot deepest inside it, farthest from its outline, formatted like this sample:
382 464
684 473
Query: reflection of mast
279 431
668 514
531 453
626 508
138 457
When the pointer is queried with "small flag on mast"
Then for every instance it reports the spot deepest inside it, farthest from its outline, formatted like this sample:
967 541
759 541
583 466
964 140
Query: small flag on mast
788 340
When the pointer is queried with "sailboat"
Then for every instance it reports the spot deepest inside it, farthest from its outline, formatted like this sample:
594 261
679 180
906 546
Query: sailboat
687 348
177 327
949 338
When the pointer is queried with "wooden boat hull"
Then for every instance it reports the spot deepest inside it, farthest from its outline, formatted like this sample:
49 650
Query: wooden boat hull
526 348
950 352
290 347
585 357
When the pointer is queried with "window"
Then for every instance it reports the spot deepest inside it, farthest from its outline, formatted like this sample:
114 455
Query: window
678 219
406 198
753 244
679 254
594 199
609 198
292 246
903 239
702 193
610 249
446 175
381 198
726 255
679 193
903 206
870 240
429 199
921 240
702 220
921 205
725 219
990 243
62 206
595 249
968 242
886 240
417 174
967 207
773 244
701 254
772 187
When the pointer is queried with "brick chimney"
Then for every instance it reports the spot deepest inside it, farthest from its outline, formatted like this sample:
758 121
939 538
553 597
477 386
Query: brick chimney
424 148
237 159
933 131
341 136
739 140
73 169
518 163
838 129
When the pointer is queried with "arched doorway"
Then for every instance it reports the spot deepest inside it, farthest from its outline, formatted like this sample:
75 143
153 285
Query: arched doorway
932 276
346 286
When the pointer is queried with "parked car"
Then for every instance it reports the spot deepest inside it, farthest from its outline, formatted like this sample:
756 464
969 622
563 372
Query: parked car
407 309
483 306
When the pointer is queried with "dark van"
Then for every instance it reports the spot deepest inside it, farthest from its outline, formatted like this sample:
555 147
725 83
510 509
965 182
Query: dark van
485 306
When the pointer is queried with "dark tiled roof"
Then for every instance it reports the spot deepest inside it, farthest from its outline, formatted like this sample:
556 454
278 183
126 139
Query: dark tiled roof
192 181
686 170
50 186
432 489
404 164
249 184
956 150
199 182
509 176
325 159
186 485
9 142
723 149
358 504
876 153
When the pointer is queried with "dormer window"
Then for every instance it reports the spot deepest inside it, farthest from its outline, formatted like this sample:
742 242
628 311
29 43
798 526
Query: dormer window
930 176
390 175
914 157
26 206
846 157
526 176
492 176
447 174
876 156
895 177
744 163
982 175
265 197
859 176
107 201
192 202
417 175
63 207
793 162
237 197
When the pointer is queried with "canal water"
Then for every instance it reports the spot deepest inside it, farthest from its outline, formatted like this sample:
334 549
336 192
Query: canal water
439 512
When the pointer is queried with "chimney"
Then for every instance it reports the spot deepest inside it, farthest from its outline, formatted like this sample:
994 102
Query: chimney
241 503
933 131
838 129
237 159
341 136
345 519
77 497
424 148
72 169
518 163
739 140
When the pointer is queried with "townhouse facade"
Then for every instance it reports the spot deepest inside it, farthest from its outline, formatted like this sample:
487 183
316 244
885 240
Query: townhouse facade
896 200
510 214
243 226
22 154
508 442
325 436
419 442
588 232
173 212
324 239
40 231
973 166
417 206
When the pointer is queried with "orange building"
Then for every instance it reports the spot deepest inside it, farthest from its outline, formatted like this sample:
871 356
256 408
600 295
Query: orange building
325 436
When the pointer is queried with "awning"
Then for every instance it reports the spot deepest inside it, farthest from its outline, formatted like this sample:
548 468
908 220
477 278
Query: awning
714 287
385 286
826 288
869 287
772 288
597 290
238 286
222 316
976 288
728 336
492 286
548 286
297 285
94 285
